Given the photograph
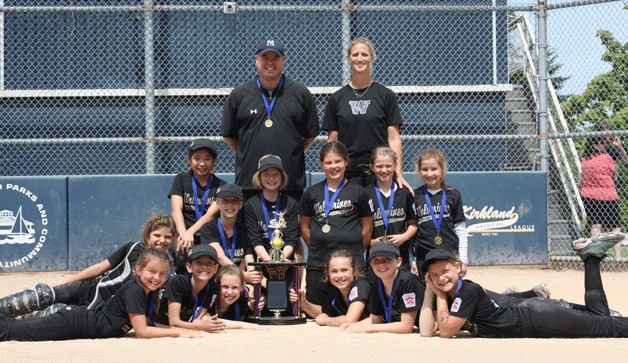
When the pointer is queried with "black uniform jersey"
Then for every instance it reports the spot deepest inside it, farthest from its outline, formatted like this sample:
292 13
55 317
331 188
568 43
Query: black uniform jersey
210 234
351 204
402 212
407 296
453 214
237 311
179 289
123 261
182 186
335 305
362 122
473 303
294 118
256 225
113 317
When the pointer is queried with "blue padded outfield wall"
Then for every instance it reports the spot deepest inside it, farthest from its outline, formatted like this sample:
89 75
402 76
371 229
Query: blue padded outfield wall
33 224
105 212
73 222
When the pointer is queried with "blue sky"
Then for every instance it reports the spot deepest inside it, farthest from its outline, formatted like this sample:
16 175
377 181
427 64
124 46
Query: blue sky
571 34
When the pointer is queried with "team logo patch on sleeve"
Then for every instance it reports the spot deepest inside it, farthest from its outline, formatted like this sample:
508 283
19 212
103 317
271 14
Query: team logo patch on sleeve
409 300
353 293
456 305
371 206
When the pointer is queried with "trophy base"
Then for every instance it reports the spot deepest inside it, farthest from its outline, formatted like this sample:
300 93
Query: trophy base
282 320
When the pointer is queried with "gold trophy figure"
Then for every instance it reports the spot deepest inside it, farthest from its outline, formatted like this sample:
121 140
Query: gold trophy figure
276 243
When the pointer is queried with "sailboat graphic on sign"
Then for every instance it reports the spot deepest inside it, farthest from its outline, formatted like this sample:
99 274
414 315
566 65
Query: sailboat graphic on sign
21 231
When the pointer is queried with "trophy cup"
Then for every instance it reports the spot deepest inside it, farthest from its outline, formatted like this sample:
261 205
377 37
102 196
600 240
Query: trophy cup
280 276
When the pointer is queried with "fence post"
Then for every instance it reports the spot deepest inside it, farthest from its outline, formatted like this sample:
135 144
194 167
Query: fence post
346 39
2 47
149 78
542 77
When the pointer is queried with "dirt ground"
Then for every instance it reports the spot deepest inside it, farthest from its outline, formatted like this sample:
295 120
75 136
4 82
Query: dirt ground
311 343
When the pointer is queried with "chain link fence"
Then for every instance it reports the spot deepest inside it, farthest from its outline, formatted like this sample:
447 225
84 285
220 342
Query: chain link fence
121 87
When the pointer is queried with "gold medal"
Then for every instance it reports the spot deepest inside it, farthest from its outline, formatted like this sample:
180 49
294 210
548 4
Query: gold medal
326 228
438 240
268 123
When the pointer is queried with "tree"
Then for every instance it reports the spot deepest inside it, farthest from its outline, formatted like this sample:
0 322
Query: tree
606 96
516 63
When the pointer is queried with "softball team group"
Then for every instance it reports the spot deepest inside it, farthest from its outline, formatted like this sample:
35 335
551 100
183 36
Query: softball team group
381 257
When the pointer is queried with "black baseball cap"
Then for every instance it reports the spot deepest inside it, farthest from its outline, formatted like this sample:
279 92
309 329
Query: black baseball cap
437 255
202 250
229 190
388 250
270 162
203 143
269 45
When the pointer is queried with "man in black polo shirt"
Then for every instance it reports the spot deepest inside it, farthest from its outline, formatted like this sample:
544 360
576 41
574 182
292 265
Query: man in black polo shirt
270 114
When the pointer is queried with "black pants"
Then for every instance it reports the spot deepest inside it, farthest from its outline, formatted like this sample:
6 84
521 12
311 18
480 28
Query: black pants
543 318
72 322
314 285
76 293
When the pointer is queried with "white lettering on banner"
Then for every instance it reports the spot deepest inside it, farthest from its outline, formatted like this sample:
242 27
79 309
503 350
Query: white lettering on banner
17 226
492 220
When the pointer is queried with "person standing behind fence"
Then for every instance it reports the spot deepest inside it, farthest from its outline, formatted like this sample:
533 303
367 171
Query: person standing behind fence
598 190
270 114
614 147
363 115
193 193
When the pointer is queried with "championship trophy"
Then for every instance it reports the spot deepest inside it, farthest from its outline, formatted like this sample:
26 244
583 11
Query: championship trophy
276 243
279 276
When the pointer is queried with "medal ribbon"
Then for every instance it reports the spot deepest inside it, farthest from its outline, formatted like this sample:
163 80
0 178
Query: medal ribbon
269 106
151 308
437 222
328 202
385 214
237 310
269 230
387 306
333 305
460 282
200 210
196 310
223 240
